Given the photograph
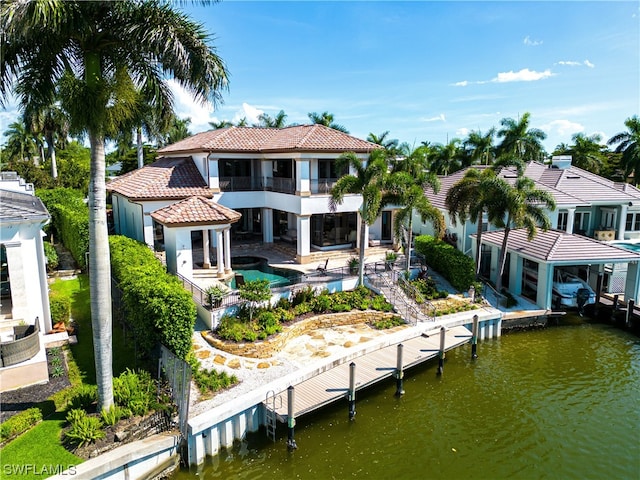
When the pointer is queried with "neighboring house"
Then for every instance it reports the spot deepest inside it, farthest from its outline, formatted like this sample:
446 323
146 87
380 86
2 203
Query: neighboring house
598 212
278 180
24 292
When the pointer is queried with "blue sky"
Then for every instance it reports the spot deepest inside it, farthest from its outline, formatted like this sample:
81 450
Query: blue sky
426 71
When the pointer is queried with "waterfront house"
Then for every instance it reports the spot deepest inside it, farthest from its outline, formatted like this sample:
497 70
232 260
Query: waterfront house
278 180
593 217
24 297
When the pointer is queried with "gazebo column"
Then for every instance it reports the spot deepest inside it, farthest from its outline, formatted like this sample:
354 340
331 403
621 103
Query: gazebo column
227 249
220 252
206 263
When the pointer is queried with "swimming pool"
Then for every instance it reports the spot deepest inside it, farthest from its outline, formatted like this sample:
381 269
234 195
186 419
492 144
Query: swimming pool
634 247
257 268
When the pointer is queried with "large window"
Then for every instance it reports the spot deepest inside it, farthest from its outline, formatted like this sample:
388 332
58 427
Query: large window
333 229
581 223
327 169
563 218
633 222
235 168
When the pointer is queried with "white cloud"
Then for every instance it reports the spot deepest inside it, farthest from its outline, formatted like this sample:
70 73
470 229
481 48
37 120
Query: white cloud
565 128
439 118
249 112
186 106
462 132
524 75
571 63
463 83
531 43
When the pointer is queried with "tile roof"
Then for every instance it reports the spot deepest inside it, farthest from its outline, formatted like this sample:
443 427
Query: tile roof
18 206
559 247
166 178
195 211
569 187
301 138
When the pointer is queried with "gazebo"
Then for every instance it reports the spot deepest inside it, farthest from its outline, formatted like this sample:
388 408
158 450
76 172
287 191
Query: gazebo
196 213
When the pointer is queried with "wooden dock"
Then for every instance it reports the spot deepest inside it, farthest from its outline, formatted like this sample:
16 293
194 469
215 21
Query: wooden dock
333 384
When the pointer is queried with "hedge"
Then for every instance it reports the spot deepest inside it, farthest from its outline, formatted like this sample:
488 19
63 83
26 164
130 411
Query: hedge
451 263
157 306
69 219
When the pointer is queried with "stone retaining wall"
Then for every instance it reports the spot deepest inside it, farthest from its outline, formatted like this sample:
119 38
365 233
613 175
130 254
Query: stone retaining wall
269 347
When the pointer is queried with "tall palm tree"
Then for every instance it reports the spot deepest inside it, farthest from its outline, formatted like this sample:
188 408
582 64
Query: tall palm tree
53 123
473 196
326 119
478 148
178 130
266 120
445 159
587 153
94 56
221 124
20 142
523 206
369 181
520 141
629 146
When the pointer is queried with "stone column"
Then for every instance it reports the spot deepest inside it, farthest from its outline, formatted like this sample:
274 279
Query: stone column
220 252
206 262
571 215
227 249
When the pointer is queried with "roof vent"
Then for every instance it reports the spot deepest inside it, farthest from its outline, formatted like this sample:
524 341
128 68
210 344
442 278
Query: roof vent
561 161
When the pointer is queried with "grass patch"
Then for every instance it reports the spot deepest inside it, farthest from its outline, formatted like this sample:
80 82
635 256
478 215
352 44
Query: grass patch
40 448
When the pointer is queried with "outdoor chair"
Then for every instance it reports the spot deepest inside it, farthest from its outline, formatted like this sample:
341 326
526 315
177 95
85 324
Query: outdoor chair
323 268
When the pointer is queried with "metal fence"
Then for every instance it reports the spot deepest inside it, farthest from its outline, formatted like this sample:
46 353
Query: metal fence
178 373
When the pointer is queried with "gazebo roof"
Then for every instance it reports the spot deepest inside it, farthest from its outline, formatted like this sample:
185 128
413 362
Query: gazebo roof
195 211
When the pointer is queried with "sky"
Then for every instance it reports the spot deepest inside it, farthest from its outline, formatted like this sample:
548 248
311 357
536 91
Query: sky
425 71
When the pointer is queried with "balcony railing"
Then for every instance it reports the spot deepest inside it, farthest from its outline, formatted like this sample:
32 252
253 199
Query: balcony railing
322 185
240 184
282 185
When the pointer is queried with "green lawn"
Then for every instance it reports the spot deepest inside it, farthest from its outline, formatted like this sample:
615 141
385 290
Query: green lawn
40 448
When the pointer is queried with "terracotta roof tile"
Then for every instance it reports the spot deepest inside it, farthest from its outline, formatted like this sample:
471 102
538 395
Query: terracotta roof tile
560 247
304 138
166 178
195 211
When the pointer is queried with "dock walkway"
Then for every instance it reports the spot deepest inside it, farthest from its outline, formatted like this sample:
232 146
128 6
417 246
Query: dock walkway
333 384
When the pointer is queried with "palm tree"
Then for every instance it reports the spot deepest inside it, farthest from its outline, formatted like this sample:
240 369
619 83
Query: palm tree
473 196
369 181
272 122
326 119
445 159
587 153
53 123
523 206
20 142
520 141
178 130
406 186
221 124
478 148
94 56
389 144
629 146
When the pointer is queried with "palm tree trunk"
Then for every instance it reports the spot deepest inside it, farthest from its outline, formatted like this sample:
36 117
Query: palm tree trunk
363 227
52 154
503 258
479 245
409 235
100 273
140 150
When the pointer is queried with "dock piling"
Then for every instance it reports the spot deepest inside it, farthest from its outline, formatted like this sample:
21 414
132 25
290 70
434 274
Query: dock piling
352 390
474 338
630 307
441 351
616 306
291 421
399 371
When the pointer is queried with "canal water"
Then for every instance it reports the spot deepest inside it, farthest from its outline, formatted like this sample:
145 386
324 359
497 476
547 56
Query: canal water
557 403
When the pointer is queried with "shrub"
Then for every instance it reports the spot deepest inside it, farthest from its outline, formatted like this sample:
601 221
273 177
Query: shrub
231 328
134 392
455 266
304 295
19 423
60 306
111 416
51 256
322 303
388 323
209 381
83 428
84 397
